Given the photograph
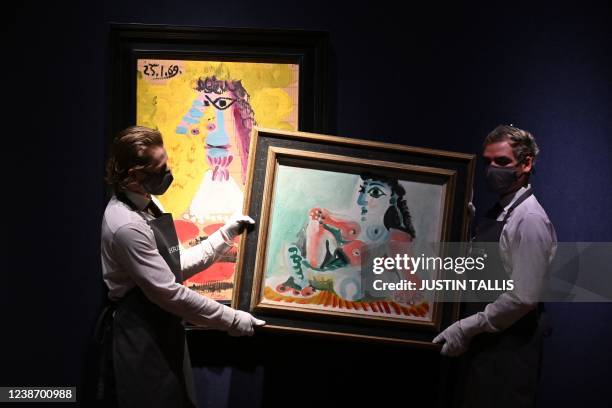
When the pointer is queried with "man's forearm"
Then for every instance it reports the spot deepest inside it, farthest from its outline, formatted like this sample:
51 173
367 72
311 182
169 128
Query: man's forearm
506 310
204 254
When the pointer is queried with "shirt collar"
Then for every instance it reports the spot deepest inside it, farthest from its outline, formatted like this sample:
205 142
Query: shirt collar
508 200
140 201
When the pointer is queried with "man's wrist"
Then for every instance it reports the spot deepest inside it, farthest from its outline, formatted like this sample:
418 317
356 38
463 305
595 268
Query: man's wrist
471 325
227 238
228 317
219 241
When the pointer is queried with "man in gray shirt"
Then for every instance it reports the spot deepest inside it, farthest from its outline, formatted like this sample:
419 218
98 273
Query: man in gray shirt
504 339
143 266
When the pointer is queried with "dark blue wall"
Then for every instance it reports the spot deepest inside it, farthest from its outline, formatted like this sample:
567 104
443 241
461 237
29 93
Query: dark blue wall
439 76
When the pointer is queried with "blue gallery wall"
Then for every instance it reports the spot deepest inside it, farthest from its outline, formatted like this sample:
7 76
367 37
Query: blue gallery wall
434 76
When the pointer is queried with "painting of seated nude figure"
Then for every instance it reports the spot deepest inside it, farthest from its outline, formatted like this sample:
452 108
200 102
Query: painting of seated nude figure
327 226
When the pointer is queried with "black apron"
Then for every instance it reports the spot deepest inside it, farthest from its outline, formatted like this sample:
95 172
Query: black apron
145 360
502 369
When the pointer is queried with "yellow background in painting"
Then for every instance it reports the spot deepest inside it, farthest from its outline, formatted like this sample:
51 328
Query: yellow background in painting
162 105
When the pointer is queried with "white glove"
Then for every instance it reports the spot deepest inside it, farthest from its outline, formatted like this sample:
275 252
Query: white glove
457 336
244 324
236 224
471 207
471 210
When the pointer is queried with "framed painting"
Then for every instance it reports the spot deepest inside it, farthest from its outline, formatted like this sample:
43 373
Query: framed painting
326 207
205 90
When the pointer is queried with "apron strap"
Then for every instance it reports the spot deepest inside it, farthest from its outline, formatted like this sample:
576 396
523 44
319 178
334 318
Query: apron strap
123 198
103 338
163 230
155 210
103 323
523 197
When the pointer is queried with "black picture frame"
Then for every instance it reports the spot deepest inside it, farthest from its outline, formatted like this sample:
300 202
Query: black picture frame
131 42
266 146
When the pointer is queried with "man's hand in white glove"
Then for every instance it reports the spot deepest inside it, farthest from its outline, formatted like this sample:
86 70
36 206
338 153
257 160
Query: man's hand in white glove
244 324
236 224
457 336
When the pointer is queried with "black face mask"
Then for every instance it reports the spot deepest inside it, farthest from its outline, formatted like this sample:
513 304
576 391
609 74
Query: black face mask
500 179
158 183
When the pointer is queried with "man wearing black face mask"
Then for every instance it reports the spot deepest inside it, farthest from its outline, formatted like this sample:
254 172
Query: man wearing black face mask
145 361
504 339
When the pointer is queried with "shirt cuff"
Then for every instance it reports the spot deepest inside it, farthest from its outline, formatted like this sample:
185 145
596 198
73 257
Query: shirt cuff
220 242
473 325
227 317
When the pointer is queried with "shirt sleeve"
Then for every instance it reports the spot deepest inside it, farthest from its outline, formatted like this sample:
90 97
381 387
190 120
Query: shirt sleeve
137 252
204 254
530 254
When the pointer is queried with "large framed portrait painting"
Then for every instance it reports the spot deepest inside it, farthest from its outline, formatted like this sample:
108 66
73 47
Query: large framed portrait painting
205 90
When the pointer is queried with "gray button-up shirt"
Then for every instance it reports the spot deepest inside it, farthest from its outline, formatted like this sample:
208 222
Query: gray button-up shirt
130 258
527 247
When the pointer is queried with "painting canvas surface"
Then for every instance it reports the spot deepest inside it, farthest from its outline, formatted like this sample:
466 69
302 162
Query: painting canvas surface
206 111
325 228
